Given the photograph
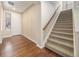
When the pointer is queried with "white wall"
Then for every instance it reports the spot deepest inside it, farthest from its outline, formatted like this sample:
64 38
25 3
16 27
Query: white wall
1 19
76 30
67 5
32 23
15 24
47 10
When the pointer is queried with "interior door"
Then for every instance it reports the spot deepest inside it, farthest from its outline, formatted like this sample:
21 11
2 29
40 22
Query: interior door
16 23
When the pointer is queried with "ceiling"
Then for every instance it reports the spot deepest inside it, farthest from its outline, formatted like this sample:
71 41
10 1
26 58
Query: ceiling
18 6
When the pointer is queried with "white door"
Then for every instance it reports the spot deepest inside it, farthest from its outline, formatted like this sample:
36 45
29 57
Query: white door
15 23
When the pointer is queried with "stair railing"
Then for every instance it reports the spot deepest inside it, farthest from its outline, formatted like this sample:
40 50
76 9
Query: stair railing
49 26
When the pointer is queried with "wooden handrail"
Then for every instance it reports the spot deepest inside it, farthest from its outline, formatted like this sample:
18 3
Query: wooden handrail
50 19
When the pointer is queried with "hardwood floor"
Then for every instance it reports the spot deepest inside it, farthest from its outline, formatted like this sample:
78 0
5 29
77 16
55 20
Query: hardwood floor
19 46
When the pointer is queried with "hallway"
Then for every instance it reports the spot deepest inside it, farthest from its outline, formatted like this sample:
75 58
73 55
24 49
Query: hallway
20 46
39 28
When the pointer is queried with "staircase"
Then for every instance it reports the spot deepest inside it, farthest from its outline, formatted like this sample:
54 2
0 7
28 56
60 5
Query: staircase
61 37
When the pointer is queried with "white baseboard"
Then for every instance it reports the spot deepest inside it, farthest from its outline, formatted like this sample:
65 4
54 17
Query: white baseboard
33 41
7 36
40 46
30 38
